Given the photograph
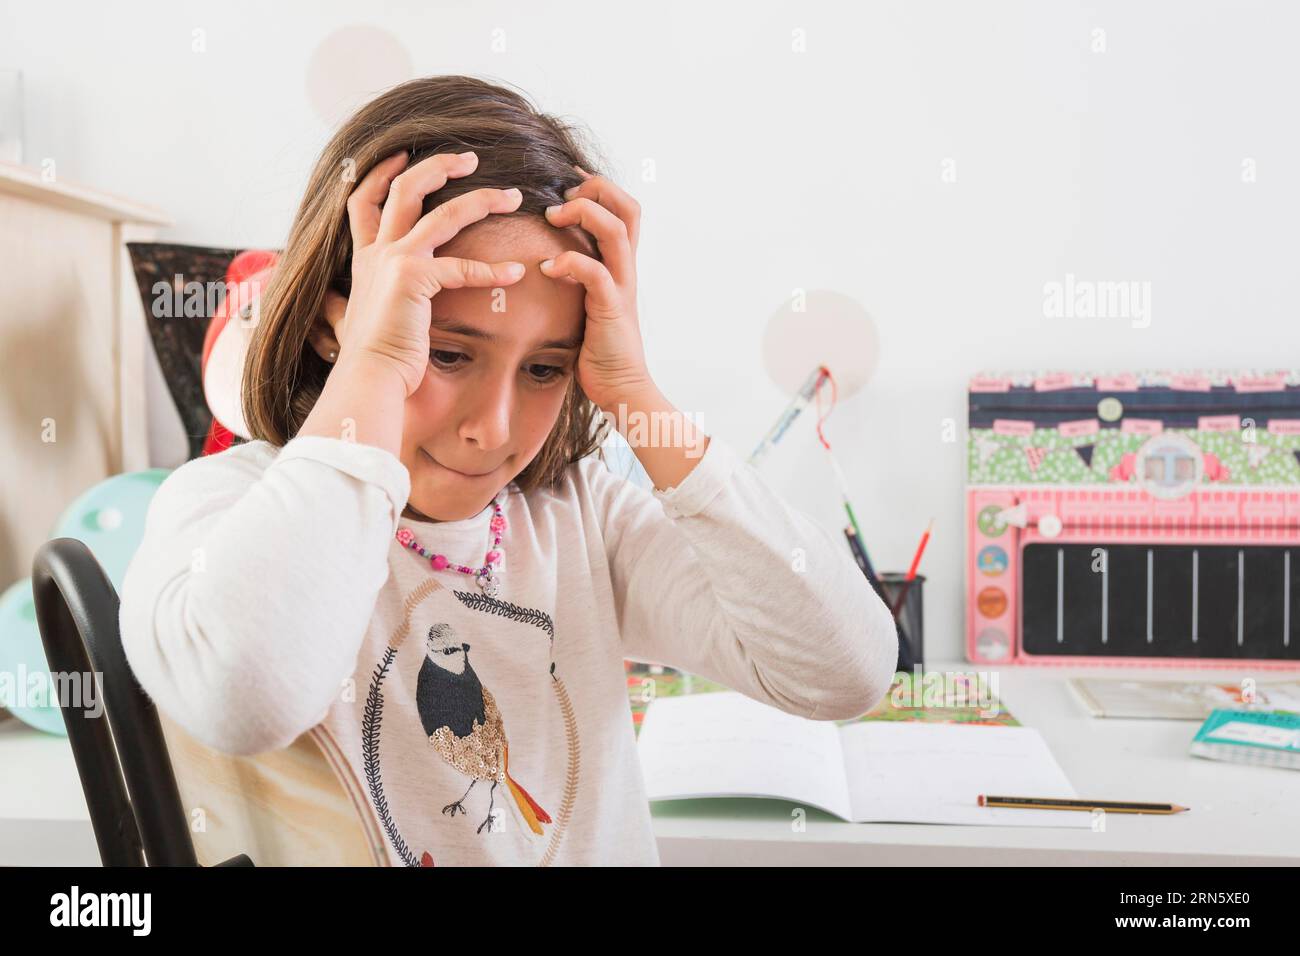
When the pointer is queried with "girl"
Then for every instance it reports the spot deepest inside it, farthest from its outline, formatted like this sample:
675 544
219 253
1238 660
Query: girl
418 552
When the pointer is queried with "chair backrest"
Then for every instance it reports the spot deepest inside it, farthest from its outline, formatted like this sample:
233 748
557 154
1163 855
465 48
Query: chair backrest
157 796
120 754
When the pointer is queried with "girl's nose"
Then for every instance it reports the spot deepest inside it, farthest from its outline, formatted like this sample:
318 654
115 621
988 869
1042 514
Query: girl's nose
487 422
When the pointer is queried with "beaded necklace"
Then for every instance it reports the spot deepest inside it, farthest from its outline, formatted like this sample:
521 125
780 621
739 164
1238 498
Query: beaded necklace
486 576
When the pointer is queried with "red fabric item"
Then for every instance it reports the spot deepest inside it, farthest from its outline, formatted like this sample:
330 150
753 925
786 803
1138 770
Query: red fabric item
219 438
243 268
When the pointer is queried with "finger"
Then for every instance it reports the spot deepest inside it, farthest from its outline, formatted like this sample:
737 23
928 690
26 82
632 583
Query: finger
439 225
612 197
451 272
368 195
406 194
602 292
609 231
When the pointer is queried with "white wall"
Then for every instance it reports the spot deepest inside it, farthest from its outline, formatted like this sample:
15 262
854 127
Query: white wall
779 170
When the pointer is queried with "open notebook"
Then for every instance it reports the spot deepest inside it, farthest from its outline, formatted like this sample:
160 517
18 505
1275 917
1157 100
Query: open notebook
728 745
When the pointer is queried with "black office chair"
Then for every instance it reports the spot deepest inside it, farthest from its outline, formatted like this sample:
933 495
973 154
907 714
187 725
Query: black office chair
126 774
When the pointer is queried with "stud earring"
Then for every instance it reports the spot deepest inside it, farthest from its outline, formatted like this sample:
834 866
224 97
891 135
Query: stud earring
333 355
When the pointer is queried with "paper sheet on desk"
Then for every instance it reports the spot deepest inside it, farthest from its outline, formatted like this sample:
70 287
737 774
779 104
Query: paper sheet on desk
727 745
945 767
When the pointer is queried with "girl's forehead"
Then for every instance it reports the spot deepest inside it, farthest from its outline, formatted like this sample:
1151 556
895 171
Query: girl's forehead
525 238
531 313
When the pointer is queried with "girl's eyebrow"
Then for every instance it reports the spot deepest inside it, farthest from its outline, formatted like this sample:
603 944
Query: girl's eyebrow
460 328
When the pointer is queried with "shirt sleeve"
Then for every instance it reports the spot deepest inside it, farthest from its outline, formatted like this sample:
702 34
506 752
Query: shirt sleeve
244 608
720 577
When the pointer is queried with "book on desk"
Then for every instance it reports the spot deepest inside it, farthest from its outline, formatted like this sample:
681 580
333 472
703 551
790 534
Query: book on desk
728 745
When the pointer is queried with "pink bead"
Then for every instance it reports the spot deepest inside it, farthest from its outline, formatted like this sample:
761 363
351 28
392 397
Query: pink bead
493 557
405 537
498 524
439 561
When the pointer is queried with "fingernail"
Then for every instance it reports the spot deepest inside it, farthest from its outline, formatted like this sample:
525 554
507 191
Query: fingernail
513 192
552 210
571 192
515 269
547 264
463 155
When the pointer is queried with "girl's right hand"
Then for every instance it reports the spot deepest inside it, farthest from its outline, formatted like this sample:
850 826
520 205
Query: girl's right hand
394 271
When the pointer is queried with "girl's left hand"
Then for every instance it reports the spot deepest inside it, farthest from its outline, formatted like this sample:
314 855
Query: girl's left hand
611 365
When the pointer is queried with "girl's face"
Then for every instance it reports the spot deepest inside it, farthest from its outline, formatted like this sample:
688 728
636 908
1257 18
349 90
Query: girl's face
500 363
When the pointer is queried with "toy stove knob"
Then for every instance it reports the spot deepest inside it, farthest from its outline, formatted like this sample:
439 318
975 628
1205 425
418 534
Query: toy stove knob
1049 526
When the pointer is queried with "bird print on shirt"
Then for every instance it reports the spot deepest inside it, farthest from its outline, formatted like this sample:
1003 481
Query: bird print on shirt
464 725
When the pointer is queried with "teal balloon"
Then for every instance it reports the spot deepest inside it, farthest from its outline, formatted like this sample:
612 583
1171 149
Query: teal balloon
109 519
22 655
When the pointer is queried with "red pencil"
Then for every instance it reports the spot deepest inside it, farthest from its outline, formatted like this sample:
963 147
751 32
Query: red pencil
911 572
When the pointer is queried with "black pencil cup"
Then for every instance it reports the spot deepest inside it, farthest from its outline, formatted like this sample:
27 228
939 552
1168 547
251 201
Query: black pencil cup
911 631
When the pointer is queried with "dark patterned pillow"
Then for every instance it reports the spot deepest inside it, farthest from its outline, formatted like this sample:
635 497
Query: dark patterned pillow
178 322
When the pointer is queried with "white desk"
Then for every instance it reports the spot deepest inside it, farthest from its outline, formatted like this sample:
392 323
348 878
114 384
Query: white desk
1241 816
43 816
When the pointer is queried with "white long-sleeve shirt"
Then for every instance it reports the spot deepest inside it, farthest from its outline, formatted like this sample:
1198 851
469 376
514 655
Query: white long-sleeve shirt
270 595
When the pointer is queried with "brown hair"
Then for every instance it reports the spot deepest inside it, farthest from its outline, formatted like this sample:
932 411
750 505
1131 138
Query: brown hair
517 146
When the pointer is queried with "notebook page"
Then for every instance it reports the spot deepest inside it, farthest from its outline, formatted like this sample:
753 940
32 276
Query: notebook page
933 773
725 744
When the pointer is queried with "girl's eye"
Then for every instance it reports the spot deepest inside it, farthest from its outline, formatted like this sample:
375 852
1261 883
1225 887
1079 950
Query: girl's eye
437 354
545 373
542 374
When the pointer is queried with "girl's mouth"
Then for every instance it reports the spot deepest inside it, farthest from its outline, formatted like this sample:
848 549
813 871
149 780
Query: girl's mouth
453 471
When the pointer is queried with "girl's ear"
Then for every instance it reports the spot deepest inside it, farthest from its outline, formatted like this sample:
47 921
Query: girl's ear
322 339
323 334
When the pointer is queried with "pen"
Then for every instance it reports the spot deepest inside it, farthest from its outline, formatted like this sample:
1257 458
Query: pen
911 572
860 556
1057 803
800 401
